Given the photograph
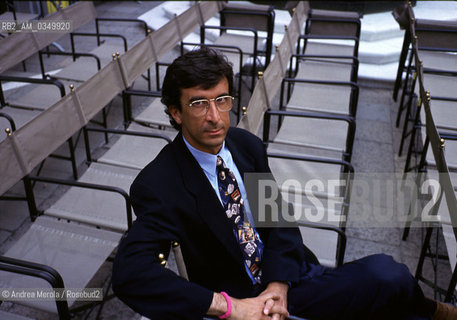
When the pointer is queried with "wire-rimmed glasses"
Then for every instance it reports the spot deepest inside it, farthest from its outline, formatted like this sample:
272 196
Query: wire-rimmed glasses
200 107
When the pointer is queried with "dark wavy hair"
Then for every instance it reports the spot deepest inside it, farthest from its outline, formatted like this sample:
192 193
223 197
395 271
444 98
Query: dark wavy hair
203 67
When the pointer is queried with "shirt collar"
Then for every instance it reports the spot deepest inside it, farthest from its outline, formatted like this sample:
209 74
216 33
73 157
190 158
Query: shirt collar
207 161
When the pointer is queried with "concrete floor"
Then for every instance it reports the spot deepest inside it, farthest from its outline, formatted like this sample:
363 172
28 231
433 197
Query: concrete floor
375 151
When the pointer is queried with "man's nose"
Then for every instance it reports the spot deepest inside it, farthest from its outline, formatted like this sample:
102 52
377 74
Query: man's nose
213 113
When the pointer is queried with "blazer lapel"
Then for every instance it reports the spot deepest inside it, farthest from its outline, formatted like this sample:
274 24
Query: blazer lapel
208 204
244 161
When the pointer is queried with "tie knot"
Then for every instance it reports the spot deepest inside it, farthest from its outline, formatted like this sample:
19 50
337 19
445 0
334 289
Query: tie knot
220 163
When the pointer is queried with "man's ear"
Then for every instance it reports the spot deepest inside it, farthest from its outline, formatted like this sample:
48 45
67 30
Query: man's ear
175 113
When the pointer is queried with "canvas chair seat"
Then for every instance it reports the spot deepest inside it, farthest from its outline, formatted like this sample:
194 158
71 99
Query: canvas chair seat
320 98
323 242
134 151
154 114
85 67
450 152
314 134
324 70
315 208
244 42
441 86
439 60
330 47
304 171
99 208
76 251
40 96
444 115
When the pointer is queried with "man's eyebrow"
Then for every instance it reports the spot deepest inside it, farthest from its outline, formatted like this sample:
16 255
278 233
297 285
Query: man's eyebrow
205 98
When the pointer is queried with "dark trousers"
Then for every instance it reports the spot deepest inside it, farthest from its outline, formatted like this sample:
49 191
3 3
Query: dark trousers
374 287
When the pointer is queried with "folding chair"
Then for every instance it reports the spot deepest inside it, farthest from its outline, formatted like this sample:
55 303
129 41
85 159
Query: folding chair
323 81
239 27
322 214
136 140
314 134
40 95
331 37
82 65
315 95
63 246
153 115
336 31
67 226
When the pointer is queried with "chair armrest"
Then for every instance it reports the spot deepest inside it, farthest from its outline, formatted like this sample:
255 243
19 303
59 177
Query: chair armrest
75 55
48 81
143 23
93 186
37 270
445 73
109 35
329 56
10 120
323 37
142 93
347 165
221 28
341 249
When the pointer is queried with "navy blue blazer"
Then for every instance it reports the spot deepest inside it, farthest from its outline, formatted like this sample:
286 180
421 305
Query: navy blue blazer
174 201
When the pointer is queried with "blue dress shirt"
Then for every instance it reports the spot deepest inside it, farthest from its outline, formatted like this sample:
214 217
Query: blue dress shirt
207 162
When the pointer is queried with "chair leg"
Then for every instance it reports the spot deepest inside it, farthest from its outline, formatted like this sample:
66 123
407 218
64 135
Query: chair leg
407 88
33 211
425 247
450 296
407 120
74 167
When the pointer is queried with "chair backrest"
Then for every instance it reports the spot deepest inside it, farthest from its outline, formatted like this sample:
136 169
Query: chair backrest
333 23
436 34
259 17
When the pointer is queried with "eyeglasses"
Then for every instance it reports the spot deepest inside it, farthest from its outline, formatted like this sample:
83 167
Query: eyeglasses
200 107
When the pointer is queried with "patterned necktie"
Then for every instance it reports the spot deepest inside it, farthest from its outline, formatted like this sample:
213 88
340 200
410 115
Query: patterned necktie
250 244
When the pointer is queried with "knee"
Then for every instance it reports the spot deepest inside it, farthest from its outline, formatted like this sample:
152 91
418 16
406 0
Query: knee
390 276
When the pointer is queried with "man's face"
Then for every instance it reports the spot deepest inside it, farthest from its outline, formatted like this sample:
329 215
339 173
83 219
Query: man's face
207 132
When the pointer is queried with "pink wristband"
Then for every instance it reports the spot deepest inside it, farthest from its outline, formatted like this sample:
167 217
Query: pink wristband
229 306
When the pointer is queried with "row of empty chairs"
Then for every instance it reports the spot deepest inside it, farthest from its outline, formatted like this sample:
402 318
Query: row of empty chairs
310 137
429 60
43 92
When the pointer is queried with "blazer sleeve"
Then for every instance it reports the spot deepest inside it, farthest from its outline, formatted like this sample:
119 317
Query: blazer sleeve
138 278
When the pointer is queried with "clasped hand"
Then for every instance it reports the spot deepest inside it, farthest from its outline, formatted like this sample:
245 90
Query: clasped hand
270 304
